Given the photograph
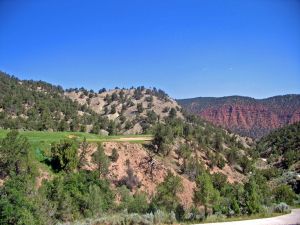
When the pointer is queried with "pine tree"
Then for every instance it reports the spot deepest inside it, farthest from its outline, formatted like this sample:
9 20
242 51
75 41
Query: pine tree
252 196
14 152
172 113
101 160
166 196
205 194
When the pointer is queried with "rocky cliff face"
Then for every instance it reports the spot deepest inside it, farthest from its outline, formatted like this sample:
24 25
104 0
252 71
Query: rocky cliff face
247 116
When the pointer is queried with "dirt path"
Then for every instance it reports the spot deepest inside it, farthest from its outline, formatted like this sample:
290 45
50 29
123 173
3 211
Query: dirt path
124 139
290 219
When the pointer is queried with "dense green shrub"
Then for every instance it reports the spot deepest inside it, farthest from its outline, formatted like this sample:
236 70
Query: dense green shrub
64 155
14 154
219 180
17 199
77 195
140 107
163 137
284 193
17 204
138 204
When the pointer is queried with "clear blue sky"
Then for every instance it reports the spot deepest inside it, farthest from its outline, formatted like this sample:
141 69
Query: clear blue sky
188 48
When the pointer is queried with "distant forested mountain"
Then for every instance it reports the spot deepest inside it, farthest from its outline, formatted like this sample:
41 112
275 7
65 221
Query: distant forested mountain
246 116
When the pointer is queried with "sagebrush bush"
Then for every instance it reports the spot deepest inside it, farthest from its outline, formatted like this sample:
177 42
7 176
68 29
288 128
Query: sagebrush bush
149 217
172 217
282 207
194 214
159 217
215 218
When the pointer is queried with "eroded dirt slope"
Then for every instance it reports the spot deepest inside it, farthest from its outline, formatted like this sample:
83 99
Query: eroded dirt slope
137 156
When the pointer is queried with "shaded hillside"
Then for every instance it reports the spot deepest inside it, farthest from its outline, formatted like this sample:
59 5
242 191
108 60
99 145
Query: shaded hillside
246 116
282 147
281 150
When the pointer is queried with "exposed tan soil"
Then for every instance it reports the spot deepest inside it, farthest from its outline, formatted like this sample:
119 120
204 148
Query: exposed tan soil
43 175
2 182
137 156
98 104
232 175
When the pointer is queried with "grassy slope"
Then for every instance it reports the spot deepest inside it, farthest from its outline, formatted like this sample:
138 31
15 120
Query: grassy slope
40 142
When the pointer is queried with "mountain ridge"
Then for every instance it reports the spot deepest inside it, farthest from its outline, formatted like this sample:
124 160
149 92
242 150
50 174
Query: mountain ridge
245 115
38 105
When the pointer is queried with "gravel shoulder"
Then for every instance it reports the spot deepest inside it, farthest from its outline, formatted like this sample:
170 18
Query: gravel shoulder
290 219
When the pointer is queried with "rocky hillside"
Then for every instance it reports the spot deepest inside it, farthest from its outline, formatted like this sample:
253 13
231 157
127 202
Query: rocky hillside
37 105
246 116
134 109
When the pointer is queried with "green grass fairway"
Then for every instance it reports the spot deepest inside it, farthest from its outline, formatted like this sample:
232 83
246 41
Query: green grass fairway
41 140
49 137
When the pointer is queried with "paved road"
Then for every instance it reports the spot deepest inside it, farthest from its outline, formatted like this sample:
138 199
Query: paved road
290 219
